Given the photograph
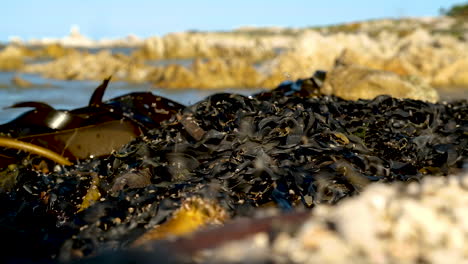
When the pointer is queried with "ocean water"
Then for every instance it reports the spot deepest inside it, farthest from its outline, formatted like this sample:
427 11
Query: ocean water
74 94
114 50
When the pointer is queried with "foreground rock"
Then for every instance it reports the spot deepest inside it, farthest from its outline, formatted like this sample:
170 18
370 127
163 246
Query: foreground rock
385 224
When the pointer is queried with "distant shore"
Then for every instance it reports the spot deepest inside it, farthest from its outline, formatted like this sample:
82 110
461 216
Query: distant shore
432 49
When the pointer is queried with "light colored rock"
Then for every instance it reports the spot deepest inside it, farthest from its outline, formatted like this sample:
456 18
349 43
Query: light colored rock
354 82
423 55
403 228
52 51
11 58
314 51
185 45
418 53
152 49
208 74
84 66
20 82
455 74
222 73
173 76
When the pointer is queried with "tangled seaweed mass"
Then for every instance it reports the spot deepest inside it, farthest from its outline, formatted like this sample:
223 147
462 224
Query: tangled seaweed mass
290 148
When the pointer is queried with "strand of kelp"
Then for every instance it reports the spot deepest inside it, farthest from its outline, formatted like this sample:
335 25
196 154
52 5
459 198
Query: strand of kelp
33 149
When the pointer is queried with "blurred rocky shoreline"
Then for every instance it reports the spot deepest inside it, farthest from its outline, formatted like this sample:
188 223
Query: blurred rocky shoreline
410 52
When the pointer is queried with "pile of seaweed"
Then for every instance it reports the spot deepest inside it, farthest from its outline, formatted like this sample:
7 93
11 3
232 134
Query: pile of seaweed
287 149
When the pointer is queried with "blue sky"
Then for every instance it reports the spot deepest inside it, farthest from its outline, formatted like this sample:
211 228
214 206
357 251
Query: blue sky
117 18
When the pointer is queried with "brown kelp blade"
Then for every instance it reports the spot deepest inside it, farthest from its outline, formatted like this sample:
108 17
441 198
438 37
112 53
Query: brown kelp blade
90 141
144 108
92 131
37 105
43 119
79 143
98 94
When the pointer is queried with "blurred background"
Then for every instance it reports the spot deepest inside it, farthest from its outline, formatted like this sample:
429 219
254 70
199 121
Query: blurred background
30 19
59 51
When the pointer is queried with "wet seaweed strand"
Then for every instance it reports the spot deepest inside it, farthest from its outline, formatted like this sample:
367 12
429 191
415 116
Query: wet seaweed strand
33 149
